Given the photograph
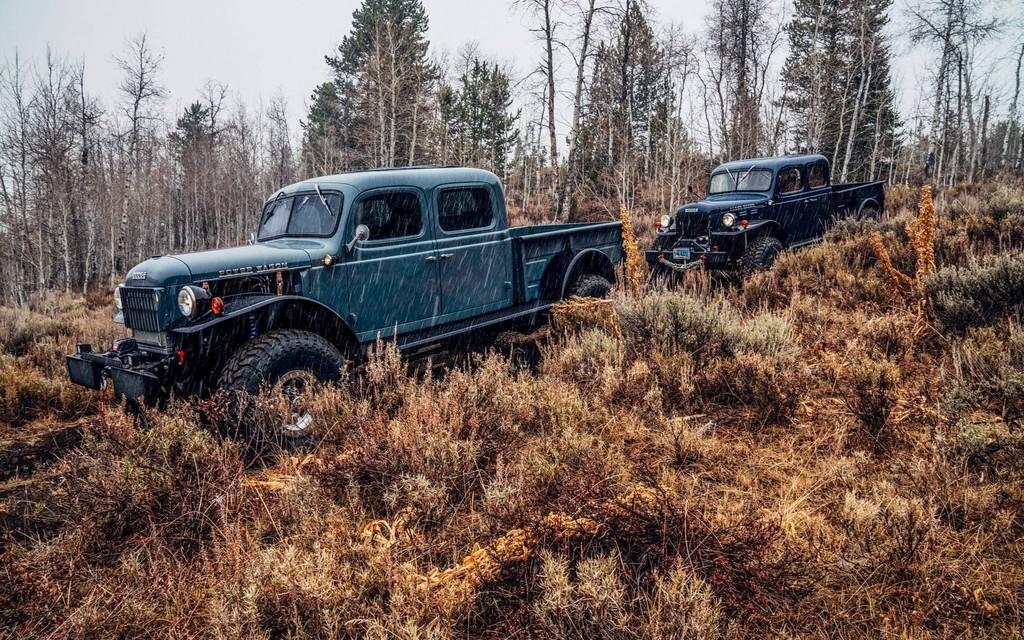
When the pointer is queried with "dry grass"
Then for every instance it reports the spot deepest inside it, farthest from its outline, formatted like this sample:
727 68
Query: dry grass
782 459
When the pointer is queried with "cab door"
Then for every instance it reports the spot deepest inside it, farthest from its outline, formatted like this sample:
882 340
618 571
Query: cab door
789 200
818 203
393 280
474 250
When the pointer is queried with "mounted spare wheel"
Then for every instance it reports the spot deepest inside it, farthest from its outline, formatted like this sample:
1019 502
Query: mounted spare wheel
291 363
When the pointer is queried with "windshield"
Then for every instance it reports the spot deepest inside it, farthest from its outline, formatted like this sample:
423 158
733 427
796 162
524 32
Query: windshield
307 214
741 180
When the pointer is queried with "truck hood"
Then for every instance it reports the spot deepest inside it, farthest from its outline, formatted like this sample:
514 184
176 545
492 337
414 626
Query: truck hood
164 271
722 203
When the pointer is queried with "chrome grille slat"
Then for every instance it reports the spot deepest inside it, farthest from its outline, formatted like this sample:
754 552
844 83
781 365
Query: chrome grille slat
139 306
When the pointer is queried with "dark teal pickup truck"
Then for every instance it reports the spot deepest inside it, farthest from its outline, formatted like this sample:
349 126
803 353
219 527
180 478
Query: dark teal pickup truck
757 208
418 255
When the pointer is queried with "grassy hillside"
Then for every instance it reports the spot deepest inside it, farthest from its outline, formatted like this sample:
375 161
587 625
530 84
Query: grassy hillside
812 454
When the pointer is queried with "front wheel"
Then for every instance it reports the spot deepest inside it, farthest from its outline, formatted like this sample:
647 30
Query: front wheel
289 361
760 255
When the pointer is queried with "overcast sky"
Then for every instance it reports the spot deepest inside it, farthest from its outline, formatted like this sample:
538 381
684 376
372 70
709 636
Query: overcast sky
263 47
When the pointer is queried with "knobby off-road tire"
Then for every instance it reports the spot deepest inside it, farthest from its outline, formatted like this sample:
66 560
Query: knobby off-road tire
289 357
759 255
590 285
870 212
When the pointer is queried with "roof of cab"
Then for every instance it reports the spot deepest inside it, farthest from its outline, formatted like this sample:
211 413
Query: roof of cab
421 177
774 163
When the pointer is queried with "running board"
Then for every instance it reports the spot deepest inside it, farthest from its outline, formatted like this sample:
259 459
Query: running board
804 243
425 337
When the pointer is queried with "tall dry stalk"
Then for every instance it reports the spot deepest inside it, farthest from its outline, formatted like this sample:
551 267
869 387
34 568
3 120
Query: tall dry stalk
634 268
455 587
922 240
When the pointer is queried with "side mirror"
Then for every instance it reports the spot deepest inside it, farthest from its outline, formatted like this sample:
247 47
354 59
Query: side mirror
252 238
362 234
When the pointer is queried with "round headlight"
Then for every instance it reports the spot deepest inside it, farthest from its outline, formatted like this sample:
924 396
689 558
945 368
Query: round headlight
665 222
728 220
187 302
117 298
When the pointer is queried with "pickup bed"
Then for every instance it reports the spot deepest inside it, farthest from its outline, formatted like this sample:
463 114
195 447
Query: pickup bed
417 255
756 209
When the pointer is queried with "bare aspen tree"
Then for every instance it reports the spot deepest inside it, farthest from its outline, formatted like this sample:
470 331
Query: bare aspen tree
952 28
16 167
1012 126
139 89
586 12
544 12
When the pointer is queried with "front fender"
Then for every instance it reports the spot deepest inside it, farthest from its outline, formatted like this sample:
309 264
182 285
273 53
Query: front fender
256 303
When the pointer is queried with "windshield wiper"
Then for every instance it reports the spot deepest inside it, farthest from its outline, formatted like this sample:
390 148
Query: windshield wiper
323 200
744 177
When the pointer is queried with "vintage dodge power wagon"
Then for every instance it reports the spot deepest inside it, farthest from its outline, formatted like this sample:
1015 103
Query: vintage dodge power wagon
417 255
756 208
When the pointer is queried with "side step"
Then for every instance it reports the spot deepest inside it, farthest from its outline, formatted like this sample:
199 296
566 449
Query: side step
444 332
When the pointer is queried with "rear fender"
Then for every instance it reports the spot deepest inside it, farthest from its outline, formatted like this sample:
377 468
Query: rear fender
869 202
588 261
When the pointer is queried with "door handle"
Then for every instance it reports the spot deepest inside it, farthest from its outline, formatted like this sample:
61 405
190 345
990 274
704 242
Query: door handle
445 256
431 258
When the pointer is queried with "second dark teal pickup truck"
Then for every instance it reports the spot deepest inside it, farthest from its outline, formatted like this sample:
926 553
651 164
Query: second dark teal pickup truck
757 208
418 255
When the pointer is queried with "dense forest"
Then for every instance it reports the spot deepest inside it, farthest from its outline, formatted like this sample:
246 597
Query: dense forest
87 189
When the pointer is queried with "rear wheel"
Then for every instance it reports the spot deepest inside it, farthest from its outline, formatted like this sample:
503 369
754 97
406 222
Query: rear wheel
759 255
590 285
869 212
291 363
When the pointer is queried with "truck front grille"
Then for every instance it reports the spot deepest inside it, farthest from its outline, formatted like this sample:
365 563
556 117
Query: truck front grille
139 306
692 225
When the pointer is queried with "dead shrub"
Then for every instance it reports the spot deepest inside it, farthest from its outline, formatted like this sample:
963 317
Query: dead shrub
594 603
887 532
754 387
868 388
681 607
979 294
989 447
27 394
987 374
669 322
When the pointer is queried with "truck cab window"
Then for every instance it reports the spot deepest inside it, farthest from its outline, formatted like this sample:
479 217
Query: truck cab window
789 180
312 217
467 208
818 175
275 219
391 215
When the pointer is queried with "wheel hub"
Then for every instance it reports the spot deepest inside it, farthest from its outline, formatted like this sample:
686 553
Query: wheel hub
293 387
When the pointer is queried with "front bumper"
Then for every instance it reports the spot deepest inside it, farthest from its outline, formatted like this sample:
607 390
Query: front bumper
134 374
697 257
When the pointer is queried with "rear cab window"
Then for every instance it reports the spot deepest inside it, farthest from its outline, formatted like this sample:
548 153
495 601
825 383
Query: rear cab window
790 180
817 175
464 208
390 215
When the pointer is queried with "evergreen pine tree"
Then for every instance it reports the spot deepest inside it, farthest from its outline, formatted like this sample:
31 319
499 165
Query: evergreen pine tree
838 84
